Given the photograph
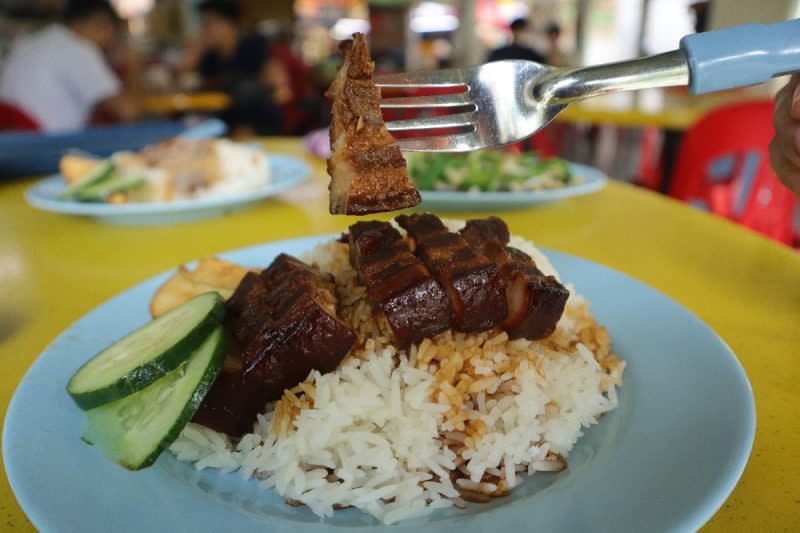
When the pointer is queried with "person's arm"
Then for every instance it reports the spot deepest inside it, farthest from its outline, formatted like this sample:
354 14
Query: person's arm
784 150
193 52
100 88
133 69
121 106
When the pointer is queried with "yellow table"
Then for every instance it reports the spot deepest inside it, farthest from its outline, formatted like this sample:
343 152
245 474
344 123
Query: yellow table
182 102
666 109
55 268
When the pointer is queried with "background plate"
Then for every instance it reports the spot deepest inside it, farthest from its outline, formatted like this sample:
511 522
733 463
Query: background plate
666 459
286 172
593 180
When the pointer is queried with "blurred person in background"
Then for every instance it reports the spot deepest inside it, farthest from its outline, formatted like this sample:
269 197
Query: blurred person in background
517 49
229 60
700 9
556 57
59 75
300 111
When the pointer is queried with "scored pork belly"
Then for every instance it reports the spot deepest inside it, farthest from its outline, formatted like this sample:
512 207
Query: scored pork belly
471 281
249 287
368 171
535 301
234 400
284 325
414 304
303 321
247 307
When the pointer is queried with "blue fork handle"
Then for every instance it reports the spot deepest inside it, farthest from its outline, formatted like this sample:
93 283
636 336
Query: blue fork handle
741 56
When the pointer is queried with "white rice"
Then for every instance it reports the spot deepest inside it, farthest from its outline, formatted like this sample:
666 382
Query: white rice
379 435
243 168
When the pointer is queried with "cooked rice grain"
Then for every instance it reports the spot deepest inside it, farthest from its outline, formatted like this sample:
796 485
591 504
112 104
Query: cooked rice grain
399 434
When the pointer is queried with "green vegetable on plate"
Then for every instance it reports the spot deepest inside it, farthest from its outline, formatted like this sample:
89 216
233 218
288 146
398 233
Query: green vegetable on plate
115 183
488 170
101 182
134 430
92 178
147 354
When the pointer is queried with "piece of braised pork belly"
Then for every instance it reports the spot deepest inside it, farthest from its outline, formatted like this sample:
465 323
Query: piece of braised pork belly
284 325
471 281
414 304
535 301
368 171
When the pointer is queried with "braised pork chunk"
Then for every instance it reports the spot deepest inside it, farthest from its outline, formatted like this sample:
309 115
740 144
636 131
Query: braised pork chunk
368 171
284 325
414 304
471 281
535 301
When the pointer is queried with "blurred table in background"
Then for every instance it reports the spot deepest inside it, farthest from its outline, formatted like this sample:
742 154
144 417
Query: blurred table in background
55 268
182 102
670 109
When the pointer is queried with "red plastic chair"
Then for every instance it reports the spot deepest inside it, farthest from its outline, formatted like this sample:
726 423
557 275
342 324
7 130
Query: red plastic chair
649 171
12 118
748 192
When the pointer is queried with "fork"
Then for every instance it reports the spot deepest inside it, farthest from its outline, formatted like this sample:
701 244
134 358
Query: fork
506 101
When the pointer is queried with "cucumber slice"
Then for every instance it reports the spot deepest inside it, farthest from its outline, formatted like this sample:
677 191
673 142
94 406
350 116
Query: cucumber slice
136 361
134 430
97 175
105 188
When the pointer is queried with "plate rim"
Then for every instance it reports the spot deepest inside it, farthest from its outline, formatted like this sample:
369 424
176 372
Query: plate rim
692 519
35 199
596 180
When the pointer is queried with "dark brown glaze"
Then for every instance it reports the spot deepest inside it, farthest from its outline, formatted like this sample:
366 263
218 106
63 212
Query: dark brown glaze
471 281
489 237
234 399
284 325
249 287
368 171
414 304
305 338
542 300
535 301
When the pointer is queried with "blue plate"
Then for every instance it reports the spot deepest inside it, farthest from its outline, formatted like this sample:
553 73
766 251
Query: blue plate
286 172
666 459
592 180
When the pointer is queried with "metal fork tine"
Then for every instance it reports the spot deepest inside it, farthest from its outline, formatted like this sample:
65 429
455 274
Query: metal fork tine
429 123
459 142
425 102
425 78
499 96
